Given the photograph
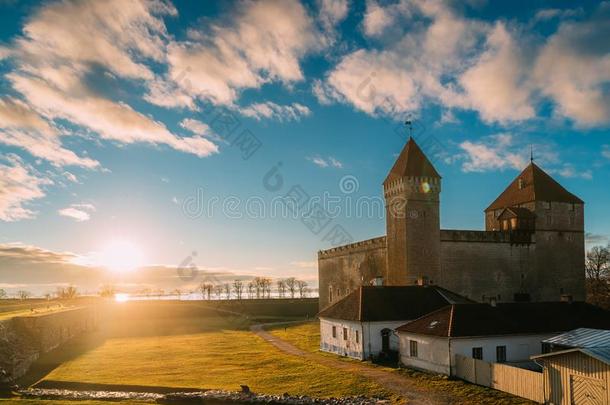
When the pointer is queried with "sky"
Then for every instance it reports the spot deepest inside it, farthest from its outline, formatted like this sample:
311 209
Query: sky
170 133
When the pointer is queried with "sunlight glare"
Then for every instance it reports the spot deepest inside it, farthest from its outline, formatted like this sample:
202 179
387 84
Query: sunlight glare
121 256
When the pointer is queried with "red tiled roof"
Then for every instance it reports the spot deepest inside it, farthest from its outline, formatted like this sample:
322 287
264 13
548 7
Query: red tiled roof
461 320
536 186
390 303
412 162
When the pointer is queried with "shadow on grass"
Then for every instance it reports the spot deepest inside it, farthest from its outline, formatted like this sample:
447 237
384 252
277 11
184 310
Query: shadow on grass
49 361
80 386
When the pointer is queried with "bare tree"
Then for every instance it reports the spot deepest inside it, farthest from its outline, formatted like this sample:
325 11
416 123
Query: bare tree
266 286
177 292
107 291
23 295
251 288
206 290
227 289
218 291
302 287
597 272
67 293
281 288
291 285
3 294
238 288
258 286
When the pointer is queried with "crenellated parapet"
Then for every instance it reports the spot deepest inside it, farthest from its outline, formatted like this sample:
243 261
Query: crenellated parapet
513 237
411 184
375 243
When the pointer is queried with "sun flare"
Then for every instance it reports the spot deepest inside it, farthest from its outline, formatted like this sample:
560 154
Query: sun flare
121 255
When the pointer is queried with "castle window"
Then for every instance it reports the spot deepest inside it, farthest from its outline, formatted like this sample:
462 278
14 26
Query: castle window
501 354
357 337
546 205
505 225
413 348
344 333
334 332
513 223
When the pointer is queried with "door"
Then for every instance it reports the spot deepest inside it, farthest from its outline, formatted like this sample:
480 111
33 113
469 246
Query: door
587 391
385 340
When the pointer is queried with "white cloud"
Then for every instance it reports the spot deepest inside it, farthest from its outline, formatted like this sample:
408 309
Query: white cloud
325 162
552 13
78 212
19 185
332 12
22 127
377 18
491 154
71 177
573 69
426 50
268 109
569 171
606 151
261 42
56 58
496 86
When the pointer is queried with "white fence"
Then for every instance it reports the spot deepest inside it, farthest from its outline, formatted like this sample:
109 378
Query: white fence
517 381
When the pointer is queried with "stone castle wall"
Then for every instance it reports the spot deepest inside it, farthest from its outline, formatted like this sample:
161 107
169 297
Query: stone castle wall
23 339
343 269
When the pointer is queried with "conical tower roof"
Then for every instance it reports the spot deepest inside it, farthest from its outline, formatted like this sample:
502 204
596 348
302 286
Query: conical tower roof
533 184
411 162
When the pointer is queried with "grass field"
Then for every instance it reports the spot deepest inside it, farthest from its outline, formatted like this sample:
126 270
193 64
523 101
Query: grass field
306 337
220 359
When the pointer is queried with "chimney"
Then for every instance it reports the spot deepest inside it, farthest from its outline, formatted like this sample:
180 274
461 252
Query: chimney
377 281
422 280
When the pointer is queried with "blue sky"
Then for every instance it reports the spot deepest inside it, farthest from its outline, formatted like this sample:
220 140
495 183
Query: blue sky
111 124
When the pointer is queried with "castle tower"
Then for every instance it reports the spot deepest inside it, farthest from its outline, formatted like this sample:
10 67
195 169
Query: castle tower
534 202
411 191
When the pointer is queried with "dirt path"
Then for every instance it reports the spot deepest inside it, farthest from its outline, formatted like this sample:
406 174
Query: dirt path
396 383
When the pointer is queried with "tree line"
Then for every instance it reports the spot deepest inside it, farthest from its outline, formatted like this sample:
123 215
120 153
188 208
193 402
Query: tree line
259 287
62 293
597 276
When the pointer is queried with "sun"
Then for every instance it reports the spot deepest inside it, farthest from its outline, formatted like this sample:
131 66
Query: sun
120 255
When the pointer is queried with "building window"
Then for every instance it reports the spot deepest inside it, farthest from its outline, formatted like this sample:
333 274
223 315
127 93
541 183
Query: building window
549 220
546 205
330 293
501 354
357 337
477 353
334 331
412 348
344 333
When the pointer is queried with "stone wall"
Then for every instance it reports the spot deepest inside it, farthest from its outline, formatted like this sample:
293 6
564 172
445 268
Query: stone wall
482 265
23 339
342 269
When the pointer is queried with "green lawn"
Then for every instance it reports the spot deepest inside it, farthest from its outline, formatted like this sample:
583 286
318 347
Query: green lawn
306 337
216 360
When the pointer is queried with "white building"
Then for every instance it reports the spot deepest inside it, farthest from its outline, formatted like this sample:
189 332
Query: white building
502 333
362 324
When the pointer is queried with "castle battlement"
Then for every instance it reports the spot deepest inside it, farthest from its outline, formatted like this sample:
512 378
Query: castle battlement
457 235
379 242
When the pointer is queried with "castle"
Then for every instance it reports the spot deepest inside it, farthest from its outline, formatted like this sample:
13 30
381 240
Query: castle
532 248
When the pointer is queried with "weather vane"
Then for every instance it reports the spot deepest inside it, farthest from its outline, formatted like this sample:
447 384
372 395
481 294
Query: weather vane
409 125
